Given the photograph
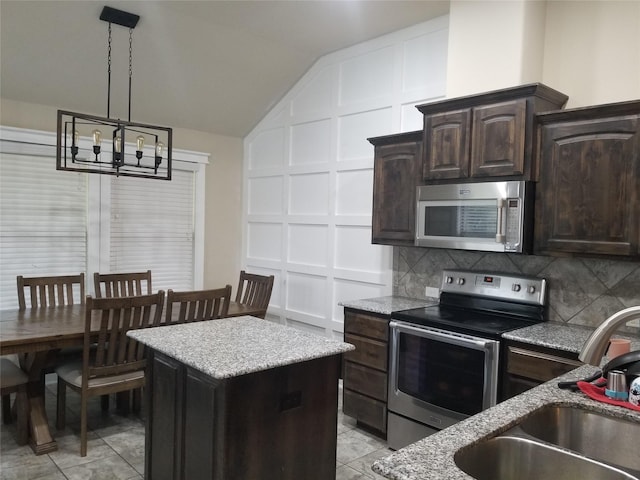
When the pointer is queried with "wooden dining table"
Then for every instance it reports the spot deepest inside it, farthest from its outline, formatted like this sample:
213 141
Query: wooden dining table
37 334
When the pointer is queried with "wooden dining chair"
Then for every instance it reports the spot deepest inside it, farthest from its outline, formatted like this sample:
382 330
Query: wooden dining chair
122 284
116 363
50 291
109 285
255 290
197 305
14 380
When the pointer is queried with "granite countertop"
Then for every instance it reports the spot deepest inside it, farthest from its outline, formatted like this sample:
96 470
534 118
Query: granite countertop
561 336
232 347
556 335
432 458
388 305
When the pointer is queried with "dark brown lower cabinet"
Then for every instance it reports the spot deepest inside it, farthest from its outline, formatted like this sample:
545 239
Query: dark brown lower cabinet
279 423
365 369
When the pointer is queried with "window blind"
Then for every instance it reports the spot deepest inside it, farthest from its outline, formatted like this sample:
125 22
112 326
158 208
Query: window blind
62 223
44 221
152 227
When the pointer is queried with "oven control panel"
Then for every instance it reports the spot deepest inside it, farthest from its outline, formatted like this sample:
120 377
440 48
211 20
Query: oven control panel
504 286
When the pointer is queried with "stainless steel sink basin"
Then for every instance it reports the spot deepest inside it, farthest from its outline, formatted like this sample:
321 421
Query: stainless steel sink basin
596 436
507 457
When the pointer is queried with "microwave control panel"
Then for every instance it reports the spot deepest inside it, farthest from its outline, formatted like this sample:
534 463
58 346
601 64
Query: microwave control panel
496 285
513 224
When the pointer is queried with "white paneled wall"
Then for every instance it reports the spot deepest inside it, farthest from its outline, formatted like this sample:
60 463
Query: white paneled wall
308 173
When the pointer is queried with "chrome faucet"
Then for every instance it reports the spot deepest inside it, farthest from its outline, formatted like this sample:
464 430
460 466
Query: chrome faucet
595 346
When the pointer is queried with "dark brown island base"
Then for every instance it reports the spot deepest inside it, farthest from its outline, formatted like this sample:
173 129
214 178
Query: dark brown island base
240 398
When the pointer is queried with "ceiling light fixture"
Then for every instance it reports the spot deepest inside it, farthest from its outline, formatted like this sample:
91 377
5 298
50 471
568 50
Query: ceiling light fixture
148 155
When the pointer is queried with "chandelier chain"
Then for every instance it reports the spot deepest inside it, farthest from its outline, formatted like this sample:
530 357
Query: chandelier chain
130 67
109 74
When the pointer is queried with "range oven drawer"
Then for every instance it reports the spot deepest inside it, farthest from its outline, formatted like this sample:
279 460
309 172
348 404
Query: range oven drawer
372 353
366 380
366 410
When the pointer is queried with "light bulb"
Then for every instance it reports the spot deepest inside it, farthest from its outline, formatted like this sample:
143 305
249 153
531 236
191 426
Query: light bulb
159 148
139 143
76 137
97 137
117 144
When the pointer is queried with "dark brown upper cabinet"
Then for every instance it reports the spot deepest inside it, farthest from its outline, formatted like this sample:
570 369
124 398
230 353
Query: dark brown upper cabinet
396 174
588 196
485 135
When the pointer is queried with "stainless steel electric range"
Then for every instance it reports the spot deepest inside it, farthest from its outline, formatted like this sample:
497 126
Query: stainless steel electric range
445 358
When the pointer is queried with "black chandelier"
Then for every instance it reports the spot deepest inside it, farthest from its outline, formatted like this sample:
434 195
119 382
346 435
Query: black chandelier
148 155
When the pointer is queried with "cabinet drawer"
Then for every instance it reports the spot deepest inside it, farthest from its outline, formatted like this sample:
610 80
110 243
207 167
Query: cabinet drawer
366 410
368 352
366 325
537 365
365 380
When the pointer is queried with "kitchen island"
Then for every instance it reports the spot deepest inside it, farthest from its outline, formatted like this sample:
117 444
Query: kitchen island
240 398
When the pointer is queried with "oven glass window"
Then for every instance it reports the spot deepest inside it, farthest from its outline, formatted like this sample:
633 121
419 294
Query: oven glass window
442 374
473 221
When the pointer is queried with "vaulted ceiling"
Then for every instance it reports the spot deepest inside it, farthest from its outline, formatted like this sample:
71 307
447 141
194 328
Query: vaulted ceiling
215 66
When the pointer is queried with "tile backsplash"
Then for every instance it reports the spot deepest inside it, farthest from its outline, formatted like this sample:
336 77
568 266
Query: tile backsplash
581 291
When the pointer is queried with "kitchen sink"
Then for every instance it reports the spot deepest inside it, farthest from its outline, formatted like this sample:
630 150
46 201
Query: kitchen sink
509 457
600 437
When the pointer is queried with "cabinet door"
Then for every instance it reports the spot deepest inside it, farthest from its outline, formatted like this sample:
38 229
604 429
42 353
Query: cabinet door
164 427
588 197
201 427
447 145
181 429
499 139
394 191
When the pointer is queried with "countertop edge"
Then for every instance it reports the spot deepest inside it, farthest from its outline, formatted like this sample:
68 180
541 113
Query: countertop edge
432 458
214 348
388 304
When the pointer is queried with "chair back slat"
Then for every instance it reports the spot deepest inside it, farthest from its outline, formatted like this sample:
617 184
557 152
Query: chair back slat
197 305
110 285
50 291
115 352
255 290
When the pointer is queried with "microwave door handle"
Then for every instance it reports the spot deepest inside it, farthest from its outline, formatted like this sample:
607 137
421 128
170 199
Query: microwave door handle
500 236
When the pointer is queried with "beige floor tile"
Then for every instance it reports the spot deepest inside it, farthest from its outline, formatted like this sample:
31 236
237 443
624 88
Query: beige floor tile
116 446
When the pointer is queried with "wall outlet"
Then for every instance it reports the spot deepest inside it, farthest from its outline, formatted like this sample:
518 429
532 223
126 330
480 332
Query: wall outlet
634 323
431 292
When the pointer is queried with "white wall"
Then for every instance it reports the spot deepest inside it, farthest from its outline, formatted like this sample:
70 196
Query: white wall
494 44
308 173
589 50
592 50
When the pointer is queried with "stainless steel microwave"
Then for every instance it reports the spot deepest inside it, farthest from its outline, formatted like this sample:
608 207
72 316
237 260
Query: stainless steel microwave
488 216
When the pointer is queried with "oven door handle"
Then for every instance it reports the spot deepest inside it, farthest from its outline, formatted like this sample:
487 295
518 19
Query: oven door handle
455 338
